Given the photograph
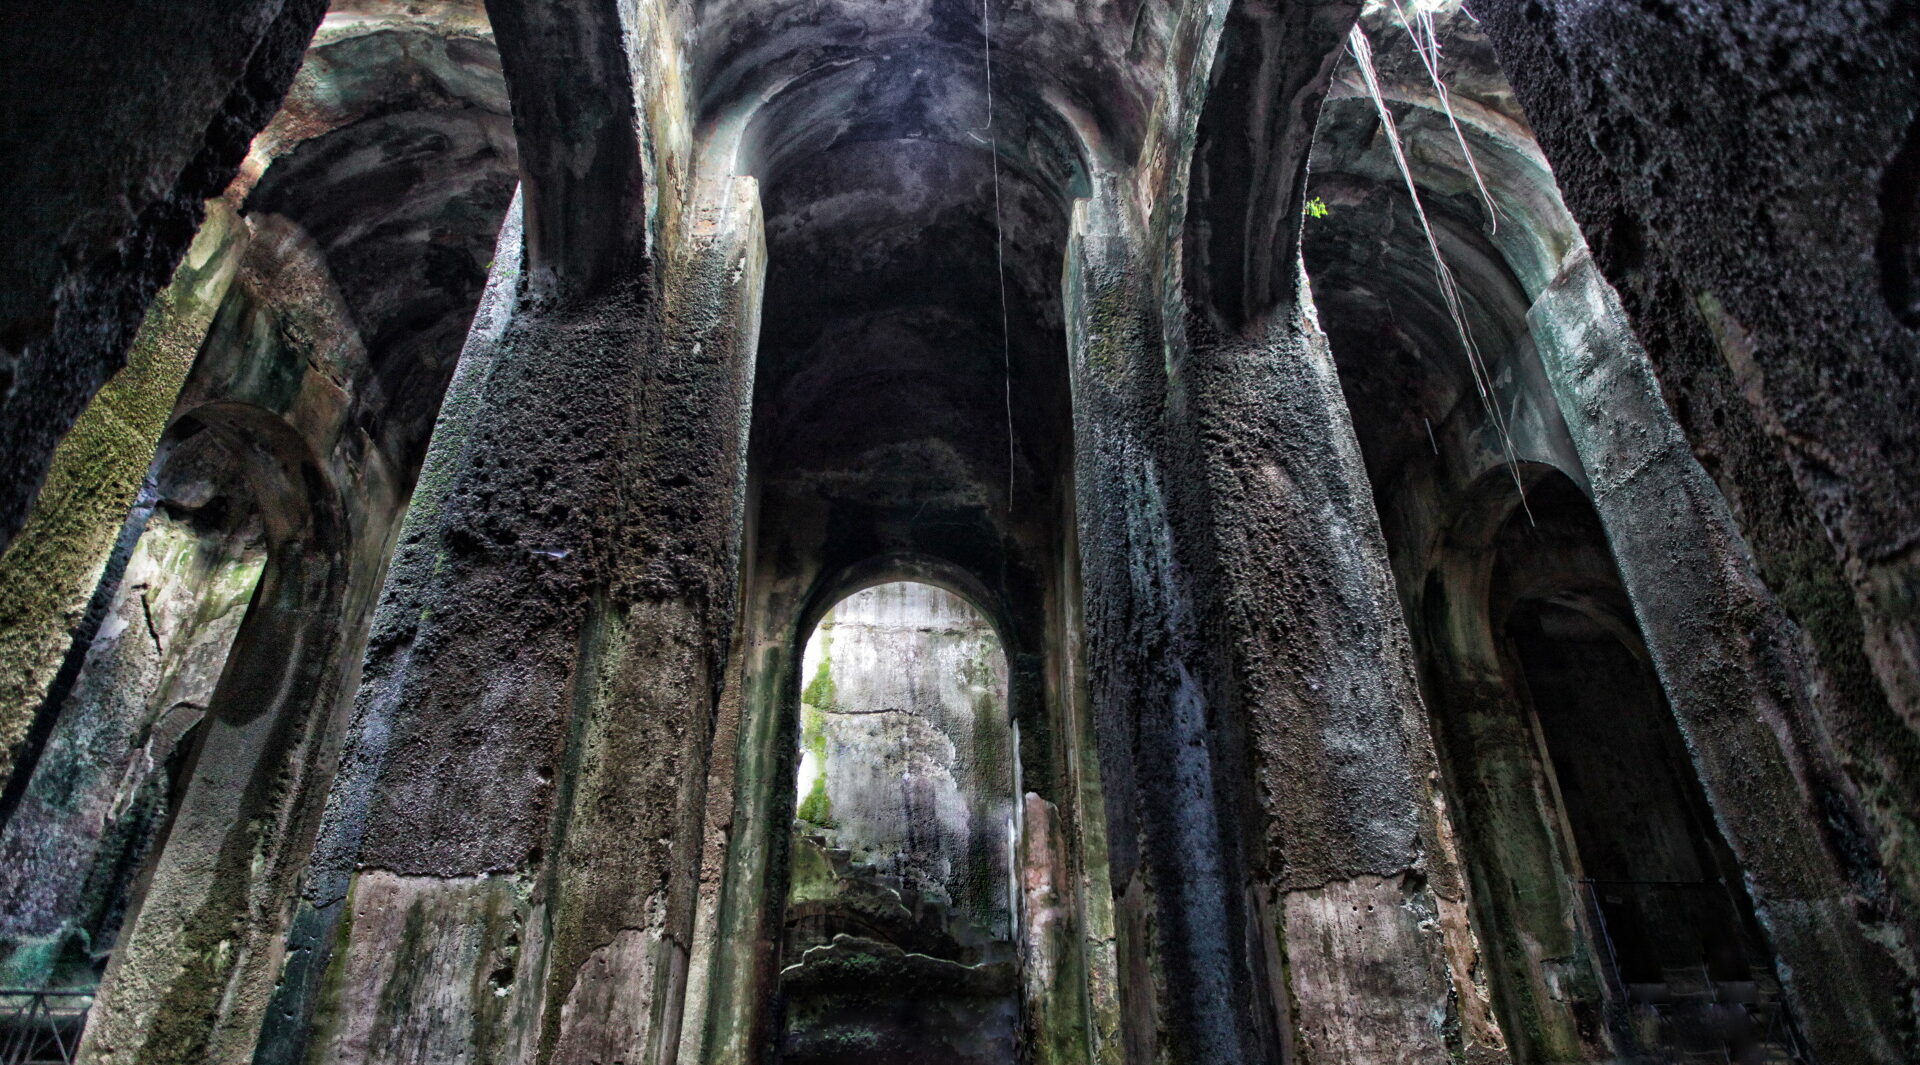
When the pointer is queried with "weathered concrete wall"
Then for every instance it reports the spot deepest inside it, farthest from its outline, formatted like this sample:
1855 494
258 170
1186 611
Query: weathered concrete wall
562 816
1681 132
480 634
1068 939
658 725
50 574
280 399
1341 874
900 900
308 402
113 161
285 1034
1540 965
1276 888
1721 637
906 756
911 416
99 799
391 97
794 571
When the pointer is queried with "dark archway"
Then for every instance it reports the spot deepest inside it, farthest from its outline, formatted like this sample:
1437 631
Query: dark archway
1614 915
1653 875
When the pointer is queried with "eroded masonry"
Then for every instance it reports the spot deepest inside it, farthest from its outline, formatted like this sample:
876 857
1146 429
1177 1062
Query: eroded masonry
942 532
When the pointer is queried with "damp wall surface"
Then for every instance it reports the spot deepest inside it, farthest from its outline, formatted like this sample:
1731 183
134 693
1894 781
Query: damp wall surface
1726 624
318 357
1681 132
906 750
50 580
900 933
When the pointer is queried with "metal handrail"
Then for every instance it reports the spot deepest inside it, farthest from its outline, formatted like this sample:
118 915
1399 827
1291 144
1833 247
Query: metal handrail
40 1026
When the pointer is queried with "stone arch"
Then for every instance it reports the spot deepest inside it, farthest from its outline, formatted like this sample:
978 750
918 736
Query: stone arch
388 175
765 133
1053 791
243 809
372 204
1517 604
1024 704
230 555
919 568
1246 185
901 908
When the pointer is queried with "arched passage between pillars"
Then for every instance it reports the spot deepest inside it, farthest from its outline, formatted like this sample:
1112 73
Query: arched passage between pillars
1614 916
202 916
96 796
910 405
1794 746
1056 866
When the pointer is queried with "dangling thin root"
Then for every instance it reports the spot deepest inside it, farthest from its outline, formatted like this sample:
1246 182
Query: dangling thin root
1362 51
1426 44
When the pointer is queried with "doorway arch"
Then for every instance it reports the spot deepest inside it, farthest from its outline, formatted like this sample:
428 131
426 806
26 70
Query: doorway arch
1614 914
899 936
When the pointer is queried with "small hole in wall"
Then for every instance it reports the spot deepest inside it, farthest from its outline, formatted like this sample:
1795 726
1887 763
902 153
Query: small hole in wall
1899 244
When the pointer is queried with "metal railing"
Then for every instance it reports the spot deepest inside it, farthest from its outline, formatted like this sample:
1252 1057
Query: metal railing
39 1027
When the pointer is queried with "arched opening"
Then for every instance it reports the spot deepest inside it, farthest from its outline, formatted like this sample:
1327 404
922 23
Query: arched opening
899 940
911 420
1652 870
138 832
1614 915
1611 918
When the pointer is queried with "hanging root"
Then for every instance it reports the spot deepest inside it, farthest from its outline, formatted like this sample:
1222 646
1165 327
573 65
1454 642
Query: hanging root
992 141
1426 44
1362 50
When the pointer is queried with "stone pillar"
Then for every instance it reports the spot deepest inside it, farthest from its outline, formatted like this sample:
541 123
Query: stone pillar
1283 880
512 844
119 123
1185 979
1541 969
627 873
317 914
753 806
559 604
1736 670
58 579
189 979
1682 131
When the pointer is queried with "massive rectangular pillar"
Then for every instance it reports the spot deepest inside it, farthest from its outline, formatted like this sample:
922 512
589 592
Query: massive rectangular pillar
1284 880
513 842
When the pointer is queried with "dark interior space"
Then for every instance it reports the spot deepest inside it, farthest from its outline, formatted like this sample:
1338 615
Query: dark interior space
960 532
